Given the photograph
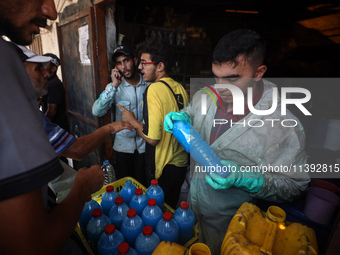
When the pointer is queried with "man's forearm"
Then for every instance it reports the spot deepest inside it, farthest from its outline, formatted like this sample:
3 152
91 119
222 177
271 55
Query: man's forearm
87 144
139 129
42 232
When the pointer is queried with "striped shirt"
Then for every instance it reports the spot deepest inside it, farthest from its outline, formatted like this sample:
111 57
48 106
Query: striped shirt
59 138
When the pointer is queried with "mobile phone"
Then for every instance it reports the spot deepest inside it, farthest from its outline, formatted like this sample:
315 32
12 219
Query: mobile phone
119 77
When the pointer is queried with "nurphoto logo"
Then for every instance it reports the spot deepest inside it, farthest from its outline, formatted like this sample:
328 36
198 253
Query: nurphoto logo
239 102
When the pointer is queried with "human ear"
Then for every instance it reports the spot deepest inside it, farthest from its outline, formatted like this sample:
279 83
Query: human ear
260 71
160 67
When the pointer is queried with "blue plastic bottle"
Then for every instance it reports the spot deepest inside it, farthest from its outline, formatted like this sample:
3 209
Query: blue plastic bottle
131 227
125 249
96 227
110 240
185 219
139 201
86 214
199 150
118 212
152 214
127 191
156 192
147 241
108 199
167 228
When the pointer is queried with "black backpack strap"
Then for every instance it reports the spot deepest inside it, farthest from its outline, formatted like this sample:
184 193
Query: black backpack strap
177 97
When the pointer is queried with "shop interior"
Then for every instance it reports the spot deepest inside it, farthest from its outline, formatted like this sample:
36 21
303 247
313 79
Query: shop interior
303 38
303 42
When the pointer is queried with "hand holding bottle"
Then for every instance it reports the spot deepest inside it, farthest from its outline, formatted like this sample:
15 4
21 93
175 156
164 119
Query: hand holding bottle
173 116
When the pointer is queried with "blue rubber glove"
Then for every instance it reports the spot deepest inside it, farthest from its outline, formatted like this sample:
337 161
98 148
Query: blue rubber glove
249 181
168 124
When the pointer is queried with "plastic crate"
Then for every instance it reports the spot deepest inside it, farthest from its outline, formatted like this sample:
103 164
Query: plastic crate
118 185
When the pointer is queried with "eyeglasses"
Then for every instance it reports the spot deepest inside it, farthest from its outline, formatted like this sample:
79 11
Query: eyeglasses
146 63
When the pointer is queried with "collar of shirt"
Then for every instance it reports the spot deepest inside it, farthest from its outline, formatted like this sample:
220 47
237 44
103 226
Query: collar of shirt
141 81
222 109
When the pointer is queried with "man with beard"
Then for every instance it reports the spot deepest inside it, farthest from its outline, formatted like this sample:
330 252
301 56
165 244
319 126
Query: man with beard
127 88
166 159
27 160
63 143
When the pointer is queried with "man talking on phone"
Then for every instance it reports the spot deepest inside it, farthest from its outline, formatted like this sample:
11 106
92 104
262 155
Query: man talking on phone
127 88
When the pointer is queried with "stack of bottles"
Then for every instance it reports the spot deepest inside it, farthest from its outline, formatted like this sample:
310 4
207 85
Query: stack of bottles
136 226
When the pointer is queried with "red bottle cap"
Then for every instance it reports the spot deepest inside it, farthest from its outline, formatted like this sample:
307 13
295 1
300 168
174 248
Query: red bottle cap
152 202
184 205
123 248
96 213
119 200
131 213
110 229
147 231
167 216
154 182
110 188
138 191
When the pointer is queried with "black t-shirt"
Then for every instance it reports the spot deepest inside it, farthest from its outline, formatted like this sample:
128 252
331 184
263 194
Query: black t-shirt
56 95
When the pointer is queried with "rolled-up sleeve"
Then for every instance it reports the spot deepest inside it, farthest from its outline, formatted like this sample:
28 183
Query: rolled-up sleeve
104 102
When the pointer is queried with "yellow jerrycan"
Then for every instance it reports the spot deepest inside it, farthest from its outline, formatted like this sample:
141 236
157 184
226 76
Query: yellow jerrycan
252 231
175 249
169 248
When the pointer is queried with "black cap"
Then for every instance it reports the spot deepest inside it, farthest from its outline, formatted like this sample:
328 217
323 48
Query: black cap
122 50
55 60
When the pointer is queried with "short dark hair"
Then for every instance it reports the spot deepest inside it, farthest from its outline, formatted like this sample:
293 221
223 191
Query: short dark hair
159 50
240 42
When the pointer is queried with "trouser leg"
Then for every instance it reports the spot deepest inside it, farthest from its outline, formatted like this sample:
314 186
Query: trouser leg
171 181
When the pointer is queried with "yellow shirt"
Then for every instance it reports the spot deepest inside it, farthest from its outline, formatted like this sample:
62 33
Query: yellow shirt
159 101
